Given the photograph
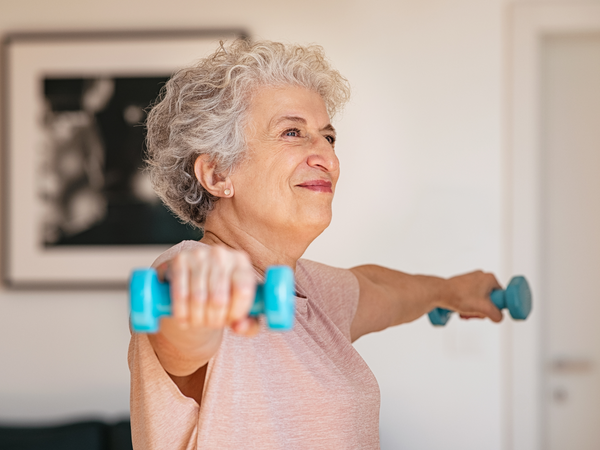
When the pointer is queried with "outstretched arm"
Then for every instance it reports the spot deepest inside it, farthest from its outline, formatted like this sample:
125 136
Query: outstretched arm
389 297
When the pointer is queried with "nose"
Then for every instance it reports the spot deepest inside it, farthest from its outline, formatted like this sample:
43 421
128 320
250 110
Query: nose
322 156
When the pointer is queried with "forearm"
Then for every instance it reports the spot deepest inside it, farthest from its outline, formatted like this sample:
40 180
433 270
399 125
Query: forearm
181 352
389 297
401 296
211 288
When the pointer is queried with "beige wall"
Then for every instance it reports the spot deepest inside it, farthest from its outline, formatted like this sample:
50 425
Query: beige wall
421 146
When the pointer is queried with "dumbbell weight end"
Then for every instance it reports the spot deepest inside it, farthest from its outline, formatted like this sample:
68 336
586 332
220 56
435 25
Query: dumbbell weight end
439 316
275 298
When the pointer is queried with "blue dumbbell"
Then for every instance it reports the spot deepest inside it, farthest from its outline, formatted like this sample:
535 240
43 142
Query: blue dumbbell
150 299
516 298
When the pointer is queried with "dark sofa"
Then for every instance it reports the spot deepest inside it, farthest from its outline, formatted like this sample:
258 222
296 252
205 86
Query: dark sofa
88 435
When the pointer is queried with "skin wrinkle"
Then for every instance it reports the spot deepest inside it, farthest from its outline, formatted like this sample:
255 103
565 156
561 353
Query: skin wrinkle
213 239
302 121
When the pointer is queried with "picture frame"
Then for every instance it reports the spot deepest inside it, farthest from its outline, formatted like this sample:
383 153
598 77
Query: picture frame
66 175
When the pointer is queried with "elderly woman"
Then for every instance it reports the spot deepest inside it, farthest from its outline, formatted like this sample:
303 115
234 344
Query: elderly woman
242 146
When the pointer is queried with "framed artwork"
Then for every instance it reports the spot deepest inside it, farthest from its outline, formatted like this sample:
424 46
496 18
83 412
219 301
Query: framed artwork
78 208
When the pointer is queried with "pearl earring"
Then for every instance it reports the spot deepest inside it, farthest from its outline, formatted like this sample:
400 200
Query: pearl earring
226 192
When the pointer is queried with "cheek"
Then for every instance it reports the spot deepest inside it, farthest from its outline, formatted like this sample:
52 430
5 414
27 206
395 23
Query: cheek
283 172
270 179
263 187
336 174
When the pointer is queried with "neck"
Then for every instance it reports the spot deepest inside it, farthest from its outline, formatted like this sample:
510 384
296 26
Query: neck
264 245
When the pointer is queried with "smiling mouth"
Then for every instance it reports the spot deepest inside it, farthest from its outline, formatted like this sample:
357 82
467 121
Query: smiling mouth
317 186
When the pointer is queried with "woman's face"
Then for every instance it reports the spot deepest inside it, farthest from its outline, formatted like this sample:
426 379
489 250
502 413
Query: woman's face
288 180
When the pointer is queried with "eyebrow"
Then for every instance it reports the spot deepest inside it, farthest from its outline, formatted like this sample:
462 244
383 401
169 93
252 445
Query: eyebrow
301 120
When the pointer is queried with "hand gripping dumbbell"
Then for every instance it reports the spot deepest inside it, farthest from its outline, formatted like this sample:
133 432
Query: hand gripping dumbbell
516 298
150 299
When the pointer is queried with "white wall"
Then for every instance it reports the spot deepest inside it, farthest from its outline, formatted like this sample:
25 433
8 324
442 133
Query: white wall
421 191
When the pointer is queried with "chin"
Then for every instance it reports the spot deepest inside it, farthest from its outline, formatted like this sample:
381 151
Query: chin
312 220
317 223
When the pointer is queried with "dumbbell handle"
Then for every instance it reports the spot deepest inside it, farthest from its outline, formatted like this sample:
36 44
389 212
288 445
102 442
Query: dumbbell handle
150 299
516 298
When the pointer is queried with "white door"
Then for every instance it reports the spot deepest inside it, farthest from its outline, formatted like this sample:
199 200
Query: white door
570 266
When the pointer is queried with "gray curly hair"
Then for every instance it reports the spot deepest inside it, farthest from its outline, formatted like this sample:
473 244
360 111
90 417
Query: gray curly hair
202 111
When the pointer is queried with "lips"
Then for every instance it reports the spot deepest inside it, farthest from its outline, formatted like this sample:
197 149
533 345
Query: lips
317 185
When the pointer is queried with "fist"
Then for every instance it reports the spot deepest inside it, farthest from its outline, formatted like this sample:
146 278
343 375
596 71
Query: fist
470 295
211 287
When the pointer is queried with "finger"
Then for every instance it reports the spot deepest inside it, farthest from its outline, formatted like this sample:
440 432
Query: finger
199 287
177 273
161 271
243 289
248 327
219 287
490 310
471 316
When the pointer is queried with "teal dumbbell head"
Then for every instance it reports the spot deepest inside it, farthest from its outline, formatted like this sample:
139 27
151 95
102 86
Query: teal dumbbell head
516 298
275 298
150 299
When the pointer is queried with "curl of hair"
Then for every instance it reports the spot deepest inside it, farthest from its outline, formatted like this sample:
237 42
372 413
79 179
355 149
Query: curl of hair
202 111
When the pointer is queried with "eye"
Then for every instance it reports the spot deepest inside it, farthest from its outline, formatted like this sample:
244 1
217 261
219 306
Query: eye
330 138
292 132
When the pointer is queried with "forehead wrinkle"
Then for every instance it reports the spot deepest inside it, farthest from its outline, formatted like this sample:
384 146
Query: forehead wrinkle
300 120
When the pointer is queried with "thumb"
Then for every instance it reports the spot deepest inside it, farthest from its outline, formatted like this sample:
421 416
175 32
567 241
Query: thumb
490 310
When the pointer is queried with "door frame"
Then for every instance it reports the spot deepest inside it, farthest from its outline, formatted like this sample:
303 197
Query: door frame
528 24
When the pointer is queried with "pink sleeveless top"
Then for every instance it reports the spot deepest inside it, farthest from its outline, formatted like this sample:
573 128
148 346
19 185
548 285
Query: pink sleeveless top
304 389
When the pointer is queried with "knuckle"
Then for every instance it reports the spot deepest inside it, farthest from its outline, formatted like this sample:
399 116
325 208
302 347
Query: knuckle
218 251
243 258
198 294
228 260
178 262
199 257
243 279
178 267
219 295
198 253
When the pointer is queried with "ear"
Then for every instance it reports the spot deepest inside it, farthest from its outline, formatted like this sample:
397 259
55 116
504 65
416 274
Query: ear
213 182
